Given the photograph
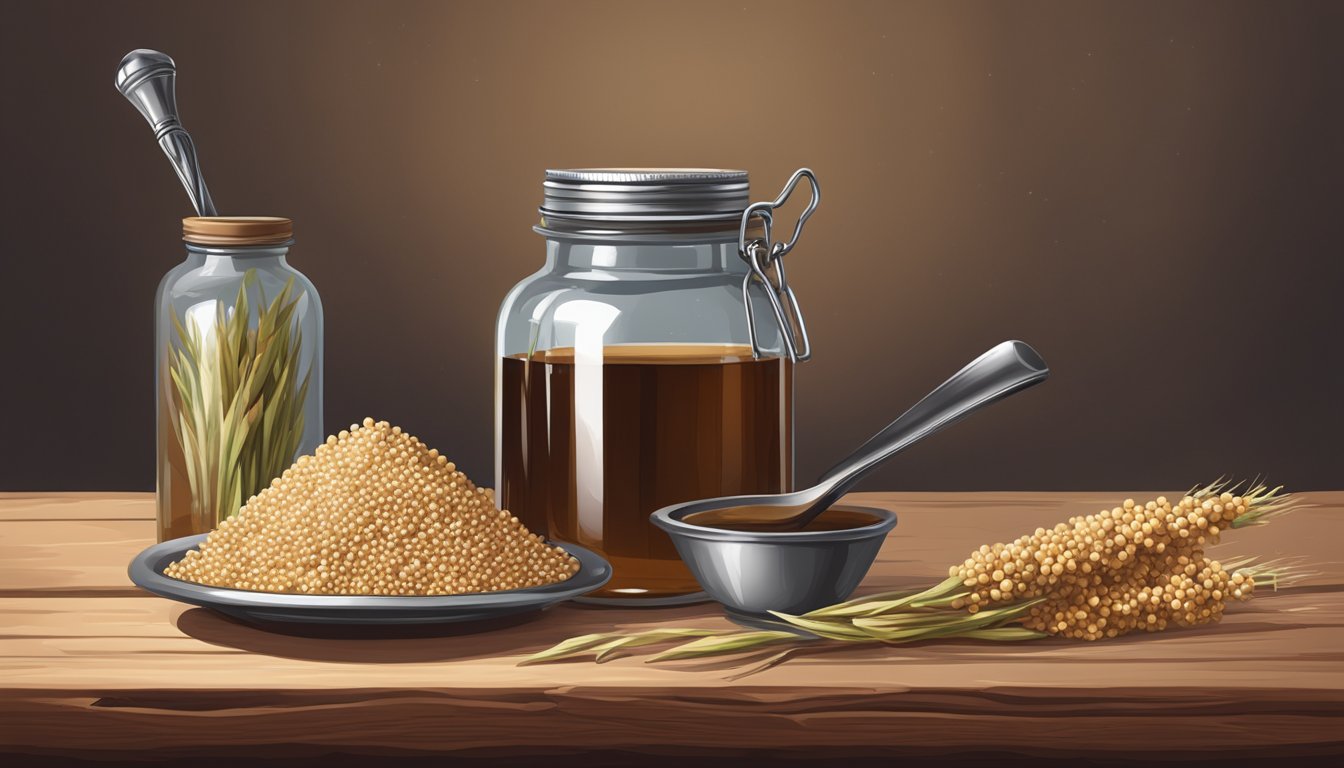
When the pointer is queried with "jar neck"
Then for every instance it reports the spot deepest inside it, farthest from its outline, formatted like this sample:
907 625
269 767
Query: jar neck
677 257
248 257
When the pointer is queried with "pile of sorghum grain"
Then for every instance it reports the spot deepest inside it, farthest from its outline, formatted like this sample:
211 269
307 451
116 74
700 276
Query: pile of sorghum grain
1136 566
373 512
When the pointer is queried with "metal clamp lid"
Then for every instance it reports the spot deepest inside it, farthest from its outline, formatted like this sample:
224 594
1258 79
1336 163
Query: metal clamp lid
764 253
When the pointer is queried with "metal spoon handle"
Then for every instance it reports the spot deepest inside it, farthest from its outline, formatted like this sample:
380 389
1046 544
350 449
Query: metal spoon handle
181 151
149 80
1007 368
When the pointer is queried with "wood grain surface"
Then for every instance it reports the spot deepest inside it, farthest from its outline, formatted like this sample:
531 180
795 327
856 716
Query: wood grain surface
91 667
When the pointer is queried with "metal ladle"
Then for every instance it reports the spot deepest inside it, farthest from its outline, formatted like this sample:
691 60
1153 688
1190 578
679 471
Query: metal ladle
149 80
1007 368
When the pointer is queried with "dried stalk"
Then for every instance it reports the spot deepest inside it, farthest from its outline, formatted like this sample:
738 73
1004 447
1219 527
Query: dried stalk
237 399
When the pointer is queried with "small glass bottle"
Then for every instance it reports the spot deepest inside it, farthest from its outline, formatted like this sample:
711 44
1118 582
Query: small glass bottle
629 375
238 364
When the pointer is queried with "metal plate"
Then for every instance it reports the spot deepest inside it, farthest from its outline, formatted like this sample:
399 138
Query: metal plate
146 571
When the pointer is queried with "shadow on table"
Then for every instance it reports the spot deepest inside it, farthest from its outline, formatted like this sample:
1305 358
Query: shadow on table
365 644
492 638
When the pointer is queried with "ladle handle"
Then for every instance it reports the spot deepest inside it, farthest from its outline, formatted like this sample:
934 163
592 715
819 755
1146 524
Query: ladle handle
1007 368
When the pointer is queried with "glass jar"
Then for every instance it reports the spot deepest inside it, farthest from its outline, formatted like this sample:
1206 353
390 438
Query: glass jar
627 378
238 364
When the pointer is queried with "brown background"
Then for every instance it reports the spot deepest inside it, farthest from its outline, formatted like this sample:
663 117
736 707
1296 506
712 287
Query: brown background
1149 193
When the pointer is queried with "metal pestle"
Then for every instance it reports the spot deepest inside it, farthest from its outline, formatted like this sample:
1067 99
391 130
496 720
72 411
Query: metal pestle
149 80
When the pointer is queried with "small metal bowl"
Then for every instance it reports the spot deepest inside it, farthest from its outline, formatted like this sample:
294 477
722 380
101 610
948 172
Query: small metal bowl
754 572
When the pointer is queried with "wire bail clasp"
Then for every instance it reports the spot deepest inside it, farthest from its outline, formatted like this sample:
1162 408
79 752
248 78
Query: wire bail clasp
764 255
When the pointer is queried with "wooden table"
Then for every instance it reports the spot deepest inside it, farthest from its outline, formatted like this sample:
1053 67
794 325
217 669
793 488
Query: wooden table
91 667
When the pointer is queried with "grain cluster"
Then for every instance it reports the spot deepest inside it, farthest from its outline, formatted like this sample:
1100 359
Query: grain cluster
373 512
1132 567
